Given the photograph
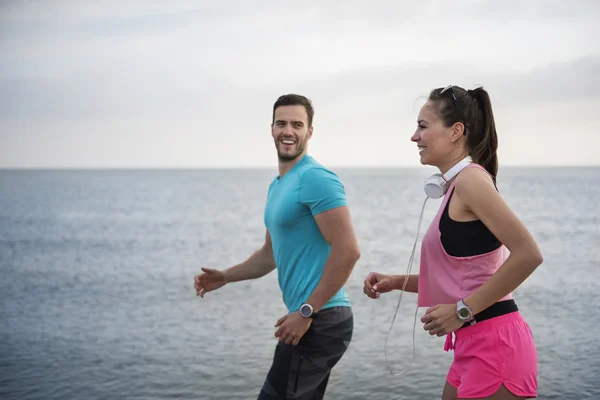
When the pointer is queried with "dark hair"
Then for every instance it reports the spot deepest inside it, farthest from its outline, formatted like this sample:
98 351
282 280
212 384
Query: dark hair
474 110
295 100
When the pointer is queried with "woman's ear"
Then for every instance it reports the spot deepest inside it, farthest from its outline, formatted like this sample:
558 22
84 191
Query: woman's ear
458 130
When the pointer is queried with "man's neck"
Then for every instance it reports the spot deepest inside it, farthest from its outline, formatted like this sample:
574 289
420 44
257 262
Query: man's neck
286 166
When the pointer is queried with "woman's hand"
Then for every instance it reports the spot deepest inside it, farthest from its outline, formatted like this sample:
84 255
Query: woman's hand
441 319
377 283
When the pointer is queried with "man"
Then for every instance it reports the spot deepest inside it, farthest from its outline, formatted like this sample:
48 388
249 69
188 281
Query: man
310 239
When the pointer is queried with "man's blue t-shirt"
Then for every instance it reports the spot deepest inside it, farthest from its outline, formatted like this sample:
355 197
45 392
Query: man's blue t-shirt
299 248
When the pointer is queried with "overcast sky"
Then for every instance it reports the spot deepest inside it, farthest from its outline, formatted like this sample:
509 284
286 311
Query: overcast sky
142 83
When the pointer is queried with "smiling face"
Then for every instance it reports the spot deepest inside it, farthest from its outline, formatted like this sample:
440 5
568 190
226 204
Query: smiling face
291 132
438 145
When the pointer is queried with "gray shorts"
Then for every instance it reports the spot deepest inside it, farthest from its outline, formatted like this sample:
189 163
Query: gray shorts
301 372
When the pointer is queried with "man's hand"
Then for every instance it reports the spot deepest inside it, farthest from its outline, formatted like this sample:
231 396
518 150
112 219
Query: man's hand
210 279
292 327
441 319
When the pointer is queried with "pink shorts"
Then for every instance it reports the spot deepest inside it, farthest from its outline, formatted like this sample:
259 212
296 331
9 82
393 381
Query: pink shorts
493 352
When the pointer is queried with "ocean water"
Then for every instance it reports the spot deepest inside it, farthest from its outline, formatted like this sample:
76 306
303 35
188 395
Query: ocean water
97 297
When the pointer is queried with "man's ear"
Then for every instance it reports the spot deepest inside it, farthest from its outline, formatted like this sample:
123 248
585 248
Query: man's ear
310 132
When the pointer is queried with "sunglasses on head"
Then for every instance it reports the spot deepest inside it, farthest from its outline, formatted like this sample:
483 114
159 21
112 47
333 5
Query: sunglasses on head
456 105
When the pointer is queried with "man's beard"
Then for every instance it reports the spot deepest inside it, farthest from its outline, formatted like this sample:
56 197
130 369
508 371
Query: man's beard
287 157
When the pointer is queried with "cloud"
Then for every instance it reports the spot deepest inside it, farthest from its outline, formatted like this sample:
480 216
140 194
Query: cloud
211 70
99 96
27 19
123 93
540 9
556 82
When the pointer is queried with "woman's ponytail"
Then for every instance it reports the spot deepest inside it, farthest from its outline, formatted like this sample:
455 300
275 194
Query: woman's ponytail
483 146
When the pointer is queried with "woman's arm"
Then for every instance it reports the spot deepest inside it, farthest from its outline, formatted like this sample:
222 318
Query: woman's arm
477 192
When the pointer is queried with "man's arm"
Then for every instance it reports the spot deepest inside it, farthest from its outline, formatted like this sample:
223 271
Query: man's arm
337 229
259 264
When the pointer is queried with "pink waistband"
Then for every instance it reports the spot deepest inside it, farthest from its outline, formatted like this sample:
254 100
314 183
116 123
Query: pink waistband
482 327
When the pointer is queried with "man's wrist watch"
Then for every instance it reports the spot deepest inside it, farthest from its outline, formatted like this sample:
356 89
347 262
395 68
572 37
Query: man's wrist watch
463 311
307 311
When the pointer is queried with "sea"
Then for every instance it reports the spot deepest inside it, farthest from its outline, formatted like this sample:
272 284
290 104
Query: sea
97 298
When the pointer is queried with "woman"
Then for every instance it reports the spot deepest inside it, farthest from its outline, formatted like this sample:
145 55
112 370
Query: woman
466 278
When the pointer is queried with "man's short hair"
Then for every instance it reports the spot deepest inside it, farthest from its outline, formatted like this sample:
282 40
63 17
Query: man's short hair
295 100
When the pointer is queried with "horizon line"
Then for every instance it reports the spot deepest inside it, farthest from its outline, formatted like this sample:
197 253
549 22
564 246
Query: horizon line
206 168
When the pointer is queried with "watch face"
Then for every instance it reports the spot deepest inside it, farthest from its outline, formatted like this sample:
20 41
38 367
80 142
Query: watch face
305 310
463 312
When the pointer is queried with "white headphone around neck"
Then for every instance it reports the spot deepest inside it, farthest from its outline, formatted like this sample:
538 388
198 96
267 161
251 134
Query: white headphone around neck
437 184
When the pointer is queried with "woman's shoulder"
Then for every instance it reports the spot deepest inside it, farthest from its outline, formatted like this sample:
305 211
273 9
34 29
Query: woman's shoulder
474 177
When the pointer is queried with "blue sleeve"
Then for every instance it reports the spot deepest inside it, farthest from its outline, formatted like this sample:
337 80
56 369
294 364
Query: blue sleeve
321 190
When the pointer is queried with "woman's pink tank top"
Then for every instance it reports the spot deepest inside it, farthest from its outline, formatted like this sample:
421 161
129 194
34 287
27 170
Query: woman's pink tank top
445 279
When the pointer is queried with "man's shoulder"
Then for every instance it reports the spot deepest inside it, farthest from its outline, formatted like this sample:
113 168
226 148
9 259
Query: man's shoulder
272 183
313 169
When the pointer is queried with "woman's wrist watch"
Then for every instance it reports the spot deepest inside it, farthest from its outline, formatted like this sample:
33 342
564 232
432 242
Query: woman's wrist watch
463 311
